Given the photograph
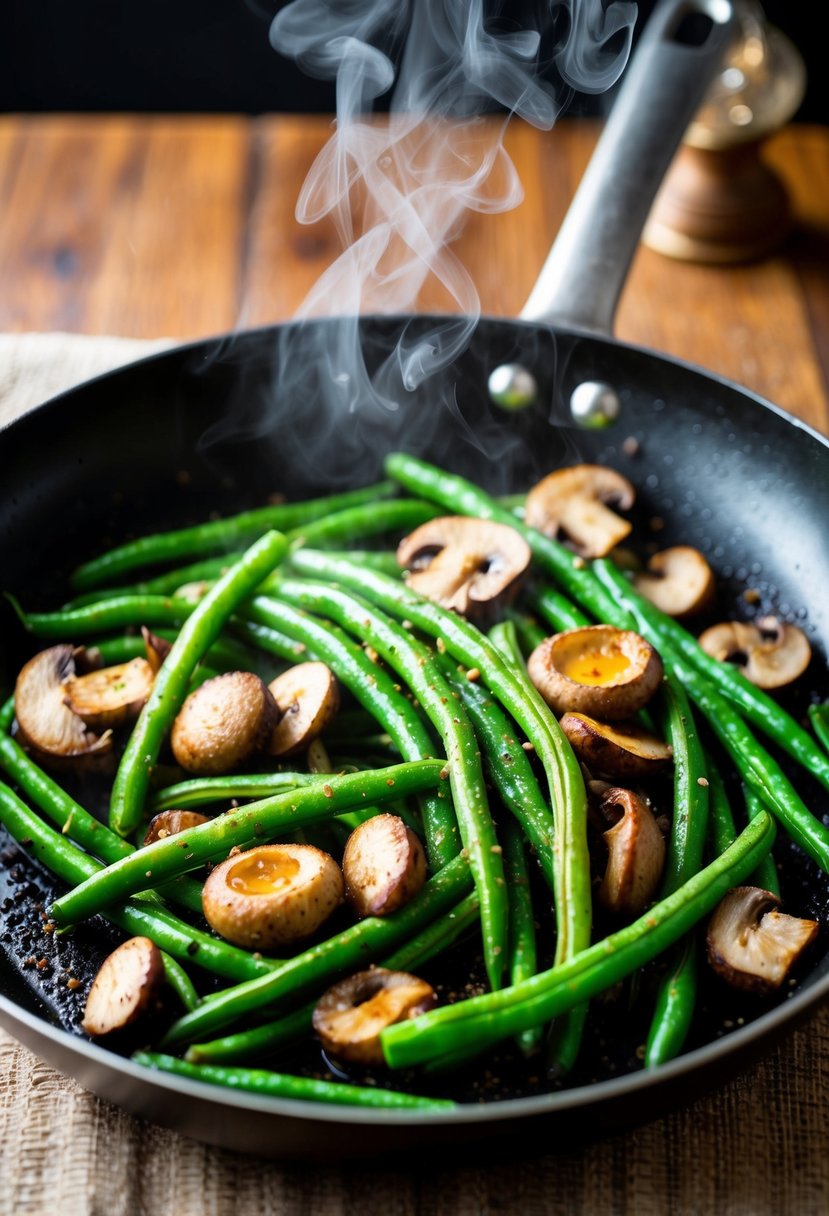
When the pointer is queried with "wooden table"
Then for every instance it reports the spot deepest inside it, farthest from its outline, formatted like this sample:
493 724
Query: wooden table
182 227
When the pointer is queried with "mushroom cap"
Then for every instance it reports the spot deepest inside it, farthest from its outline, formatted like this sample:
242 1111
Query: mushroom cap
636 854
170 823
46 725
223 723
751 944
598 670
384 866
125 986
307 696
678 580
467 564
572 501
272 895
349 1016
772 653
111 696
619 751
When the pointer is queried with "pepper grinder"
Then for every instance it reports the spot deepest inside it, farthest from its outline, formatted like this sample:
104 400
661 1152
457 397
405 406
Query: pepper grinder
720 202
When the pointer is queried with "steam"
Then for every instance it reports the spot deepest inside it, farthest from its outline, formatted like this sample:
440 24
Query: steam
398 188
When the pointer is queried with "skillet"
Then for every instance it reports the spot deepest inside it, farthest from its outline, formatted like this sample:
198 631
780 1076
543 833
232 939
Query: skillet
725 471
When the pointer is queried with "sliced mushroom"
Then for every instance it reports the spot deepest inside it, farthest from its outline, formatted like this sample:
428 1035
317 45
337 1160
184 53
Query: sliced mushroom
770 652
636 853
605 672
223 723
349 1017
46 725
272 895
620 751
384 866
571 502
678 580
753 946
112 696
125 987
307 696
155 648
469 565
170 823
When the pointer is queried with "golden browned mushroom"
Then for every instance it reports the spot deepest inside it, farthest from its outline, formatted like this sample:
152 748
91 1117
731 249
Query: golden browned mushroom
620 751
272 895
572 502
678 580
384 866
470 565
223 723
598 670
770 652
636 853
155 648
751 944
112 696
349 1017
307 696
125 987
46 725
170 823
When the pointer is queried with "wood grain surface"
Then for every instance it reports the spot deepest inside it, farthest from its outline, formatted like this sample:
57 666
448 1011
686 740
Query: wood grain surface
156 227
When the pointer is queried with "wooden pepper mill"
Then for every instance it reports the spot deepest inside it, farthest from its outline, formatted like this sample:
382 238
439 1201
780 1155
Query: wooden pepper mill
720 201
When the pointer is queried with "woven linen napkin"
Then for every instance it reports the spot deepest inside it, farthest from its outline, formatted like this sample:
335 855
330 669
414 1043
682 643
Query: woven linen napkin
37 366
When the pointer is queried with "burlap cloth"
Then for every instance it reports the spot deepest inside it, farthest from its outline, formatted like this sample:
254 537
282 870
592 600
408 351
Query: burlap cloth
756 1146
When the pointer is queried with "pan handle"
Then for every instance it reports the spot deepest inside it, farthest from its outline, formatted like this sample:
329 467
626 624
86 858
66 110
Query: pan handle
681 46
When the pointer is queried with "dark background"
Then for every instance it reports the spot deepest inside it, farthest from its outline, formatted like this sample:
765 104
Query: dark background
215 56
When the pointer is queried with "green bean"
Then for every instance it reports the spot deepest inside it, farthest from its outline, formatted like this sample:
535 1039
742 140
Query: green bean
530 633
273 624
267 1038
752 703
199 632
469 646
255 823
398 515
217 536
206 570
722 828
170 934
281 1085
494 1016
421 671
819 718
201 791
765 875
355 948
114 613
676 995
523 954
180 982
557 610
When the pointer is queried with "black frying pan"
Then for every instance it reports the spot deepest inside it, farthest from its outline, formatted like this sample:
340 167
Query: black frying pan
726 471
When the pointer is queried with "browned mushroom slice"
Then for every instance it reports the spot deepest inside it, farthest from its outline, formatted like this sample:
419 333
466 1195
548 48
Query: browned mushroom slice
620 751
112 696
751 944
636 853
384 866
155 648
470 565
125 987
572 502
47 727
272 895
349 1017
598 670
678 580
307 696
223 723
770 652
170 823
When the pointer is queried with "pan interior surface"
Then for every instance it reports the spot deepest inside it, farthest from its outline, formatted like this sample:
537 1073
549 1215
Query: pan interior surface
220 426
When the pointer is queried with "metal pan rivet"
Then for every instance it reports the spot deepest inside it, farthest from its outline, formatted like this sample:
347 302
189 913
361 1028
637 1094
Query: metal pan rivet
594 405
512 387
